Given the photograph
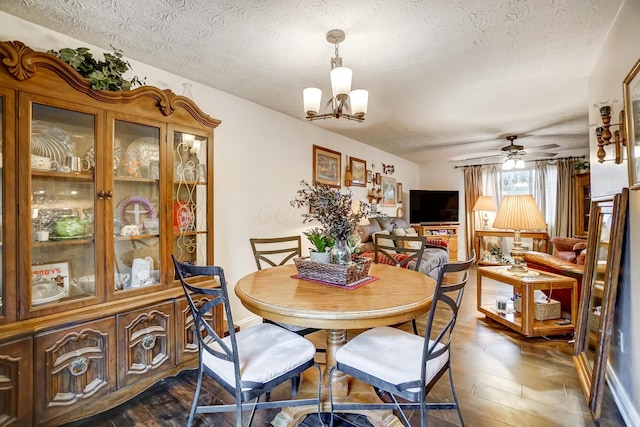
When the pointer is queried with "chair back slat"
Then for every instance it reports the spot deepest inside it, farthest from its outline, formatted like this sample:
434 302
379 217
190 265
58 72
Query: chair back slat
275 251
401 251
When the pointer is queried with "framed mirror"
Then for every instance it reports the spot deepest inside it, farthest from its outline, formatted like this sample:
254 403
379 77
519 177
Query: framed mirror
599 288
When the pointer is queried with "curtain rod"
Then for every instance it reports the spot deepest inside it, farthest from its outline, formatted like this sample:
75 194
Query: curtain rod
527 161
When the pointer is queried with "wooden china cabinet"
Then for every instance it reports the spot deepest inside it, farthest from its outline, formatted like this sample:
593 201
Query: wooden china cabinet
99 188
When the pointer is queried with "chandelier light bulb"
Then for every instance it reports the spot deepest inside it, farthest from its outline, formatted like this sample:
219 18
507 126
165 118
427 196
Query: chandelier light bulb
311 97
359 100
519 164
341 82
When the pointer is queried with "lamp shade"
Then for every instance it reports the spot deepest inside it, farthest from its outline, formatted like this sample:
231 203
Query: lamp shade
359 101
311 97
485 203
519 213
341 82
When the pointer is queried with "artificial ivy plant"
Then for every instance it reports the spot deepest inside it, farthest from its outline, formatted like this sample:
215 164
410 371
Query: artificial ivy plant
105 74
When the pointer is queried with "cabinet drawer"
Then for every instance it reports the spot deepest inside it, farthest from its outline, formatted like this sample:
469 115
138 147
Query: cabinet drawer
74 367
145 342
16 383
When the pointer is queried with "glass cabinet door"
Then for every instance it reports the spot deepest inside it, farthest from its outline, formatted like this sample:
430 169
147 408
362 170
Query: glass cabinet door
136 201
61 205
2 215
191 188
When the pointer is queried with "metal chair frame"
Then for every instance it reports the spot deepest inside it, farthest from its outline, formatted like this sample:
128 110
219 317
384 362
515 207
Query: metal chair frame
413 254
285 254
244 392
449 290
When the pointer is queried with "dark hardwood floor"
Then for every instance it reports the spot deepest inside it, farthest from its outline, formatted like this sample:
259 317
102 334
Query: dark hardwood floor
501 378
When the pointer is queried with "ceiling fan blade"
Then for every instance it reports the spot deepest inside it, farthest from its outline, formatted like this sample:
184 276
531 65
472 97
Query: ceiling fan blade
542 147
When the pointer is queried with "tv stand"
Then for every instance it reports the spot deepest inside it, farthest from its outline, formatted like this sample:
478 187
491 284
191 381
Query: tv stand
448 233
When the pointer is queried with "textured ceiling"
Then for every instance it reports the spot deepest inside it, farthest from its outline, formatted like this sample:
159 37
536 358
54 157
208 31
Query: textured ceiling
447 79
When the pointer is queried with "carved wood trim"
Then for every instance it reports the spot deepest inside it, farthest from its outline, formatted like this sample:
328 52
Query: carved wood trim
147 342
22 63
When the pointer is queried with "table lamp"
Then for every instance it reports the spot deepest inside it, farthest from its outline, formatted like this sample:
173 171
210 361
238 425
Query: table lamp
519 213
485 204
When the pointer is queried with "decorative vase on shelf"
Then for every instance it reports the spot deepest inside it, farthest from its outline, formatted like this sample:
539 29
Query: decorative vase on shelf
320 257
340 253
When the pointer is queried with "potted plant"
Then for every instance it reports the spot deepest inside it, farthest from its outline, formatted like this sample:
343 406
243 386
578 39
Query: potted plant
334 211
106 74
322 244
581 166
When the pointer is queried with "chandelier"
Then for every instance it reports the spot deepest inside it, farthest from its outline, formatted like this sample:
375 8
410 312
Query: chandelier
345 103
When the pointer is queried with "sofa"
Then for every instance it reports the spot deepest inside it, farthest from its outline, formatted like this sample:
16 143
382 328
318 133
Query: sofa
435 254
553 264
569 249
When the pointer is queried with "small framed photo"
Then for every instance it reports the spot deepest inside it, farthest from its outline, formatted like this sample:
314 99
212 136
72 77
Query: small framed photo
369 177
399 192
326 166
358 172
631 92
377 178
389 190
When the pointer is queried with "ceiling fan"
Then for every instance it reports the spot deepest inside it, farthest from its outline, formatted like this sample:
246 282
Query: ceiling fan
515 152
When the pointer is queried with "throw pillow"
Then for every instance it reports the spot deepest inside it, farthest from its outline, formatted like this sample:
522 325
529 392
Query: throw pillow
410 231
412 244
383 241
399 232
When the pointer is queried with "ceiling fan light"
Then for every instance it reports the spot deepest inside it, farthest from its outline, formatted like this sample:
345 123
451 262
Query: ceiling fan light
508 164
341 82
359 101
519 164
311 97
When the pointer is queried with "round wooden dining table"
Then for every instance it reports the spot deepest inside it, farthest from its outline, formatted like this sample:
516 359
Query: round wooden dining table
396 295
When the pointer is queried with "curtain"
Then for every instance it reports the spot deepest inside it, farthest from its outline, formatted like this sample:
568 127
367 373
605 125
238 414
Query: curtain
472 190
564 199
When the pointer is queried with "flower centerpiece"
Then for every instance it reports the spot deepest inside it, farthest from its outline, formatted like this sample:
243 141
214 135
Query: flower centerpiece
334 211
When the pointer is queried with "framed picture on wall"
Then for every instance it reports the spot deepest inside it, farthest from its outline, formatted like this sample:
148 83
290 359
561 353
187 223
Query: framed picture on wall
358 172
389 189
399 192
631 92
369 177
327 166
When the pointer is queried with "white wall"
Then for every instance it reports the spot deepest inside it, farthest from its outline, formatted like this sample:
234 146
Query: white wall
260 158
619 53
443 175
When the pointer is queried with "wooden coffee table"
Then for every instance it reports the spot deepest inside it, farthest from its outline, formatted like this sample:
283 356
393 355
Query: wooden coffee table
524 322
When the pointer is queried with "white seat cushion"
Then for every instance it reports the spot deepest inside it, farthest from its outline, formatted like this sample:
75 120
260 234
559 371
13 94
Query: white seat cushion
265 351
390 354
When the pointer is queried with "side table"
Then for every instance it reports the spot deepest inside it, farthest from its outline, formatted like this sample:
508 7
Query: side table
524 322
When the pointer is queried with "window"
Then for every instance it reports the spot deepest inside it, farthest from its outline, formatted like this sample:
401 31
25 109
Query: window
516 182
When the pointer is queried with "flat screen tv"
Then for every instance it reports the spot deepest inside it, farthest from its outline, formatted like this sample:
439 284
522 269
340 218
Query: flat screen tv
433 207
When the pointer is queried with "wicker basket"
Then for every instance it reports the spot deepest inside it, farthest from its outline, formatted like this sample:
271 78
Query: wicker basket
550 310
333 273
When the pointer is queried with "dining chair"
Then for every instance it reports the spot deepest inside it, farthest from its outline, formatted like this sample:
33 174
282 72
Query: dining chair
273 252
249 363
407 366
401 251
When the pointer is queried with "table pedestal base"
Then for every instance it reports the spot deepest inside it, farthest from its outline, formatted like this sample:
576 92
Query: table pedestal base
344 388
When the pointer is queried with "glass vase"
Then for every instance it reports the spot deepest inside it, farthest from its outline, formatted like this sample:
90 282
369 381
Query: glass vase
340 253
